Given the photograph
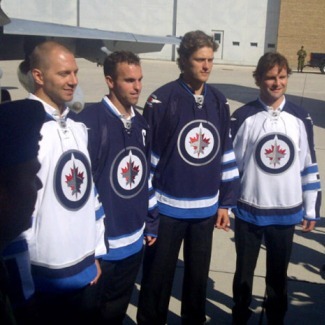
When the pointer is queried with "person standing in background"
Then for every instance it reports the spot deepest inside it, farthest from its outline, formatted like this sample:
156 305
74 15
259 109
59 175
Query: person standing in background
301 59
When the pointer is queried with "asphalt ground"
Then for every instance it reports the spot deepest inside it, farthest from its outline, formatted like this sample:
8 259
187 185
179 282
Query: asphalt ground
306 284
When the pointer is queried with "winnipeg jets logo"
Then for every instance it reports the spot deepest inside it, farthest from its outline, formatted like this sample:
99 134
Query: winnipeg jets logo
72 180
129 172
275 153
198 142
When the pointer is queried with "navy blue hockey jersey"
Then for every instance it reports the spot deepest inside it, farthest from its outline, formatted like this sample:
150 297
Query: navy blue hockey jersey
119 153
193 163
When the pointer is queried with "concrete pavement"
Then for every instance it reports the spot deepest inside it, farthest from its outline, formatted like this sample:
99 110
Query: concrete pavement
306 286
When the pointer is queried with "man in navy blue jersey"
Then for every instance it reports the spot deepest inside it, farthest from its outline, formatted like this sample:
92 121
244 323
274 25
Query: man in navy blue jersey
195 178
119 150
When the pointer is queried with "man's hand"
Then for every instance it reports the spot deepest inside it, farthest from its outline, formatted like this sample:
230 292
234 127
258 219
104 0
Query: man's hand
308 225
99 273
150 240
223 220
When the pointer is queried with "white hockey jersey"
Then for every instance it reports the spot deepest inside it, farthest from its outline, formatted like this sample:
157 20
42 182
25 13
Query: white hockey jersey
276 159
65 236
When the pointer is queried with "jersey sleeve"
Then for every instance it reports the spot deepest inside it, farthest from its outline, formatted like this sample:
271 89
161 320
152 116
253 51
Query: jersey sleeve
152 220
154 113
17 262
310 178
229 186
101 247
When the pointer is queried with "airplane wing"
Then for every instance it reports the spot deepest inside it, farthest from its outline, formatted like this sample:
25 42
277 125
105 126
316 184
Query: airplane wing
89 43
4 19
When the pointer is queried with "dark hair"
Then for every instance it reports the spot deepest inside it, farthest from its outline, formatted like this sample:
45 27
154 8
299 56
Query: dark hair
191 42
268 61
114 58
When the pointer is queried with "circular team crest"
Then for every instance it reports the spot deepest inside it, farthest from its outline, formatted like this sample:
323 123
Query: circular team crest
275 153
198 142
72 180
128 172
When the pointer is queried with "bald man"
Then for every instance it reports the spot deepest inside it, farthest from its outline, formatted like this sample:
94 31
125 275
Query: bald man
67 230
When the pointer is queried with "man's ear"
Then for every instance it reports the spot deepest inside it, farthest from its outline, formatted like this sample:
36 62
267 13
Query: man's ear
109 81
38 76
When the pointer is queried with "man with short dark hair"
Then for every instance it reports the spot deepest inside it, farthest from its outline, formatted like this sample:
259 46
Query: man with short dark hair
119 150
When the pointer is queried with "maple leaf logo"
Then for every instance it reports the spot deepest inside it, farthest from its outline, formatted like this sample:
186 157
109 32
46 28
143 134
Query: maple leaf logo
275 153
74 180
130 172
199 142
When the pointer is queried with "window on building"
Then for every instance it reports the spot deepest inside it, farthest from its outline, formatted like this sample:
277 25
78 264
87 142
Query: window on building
253 44
235 43
217 37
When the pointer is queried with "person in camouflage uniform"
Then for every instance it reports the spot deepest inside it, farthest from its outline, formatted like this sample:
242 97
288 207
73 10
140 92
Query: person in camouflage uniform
301 58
